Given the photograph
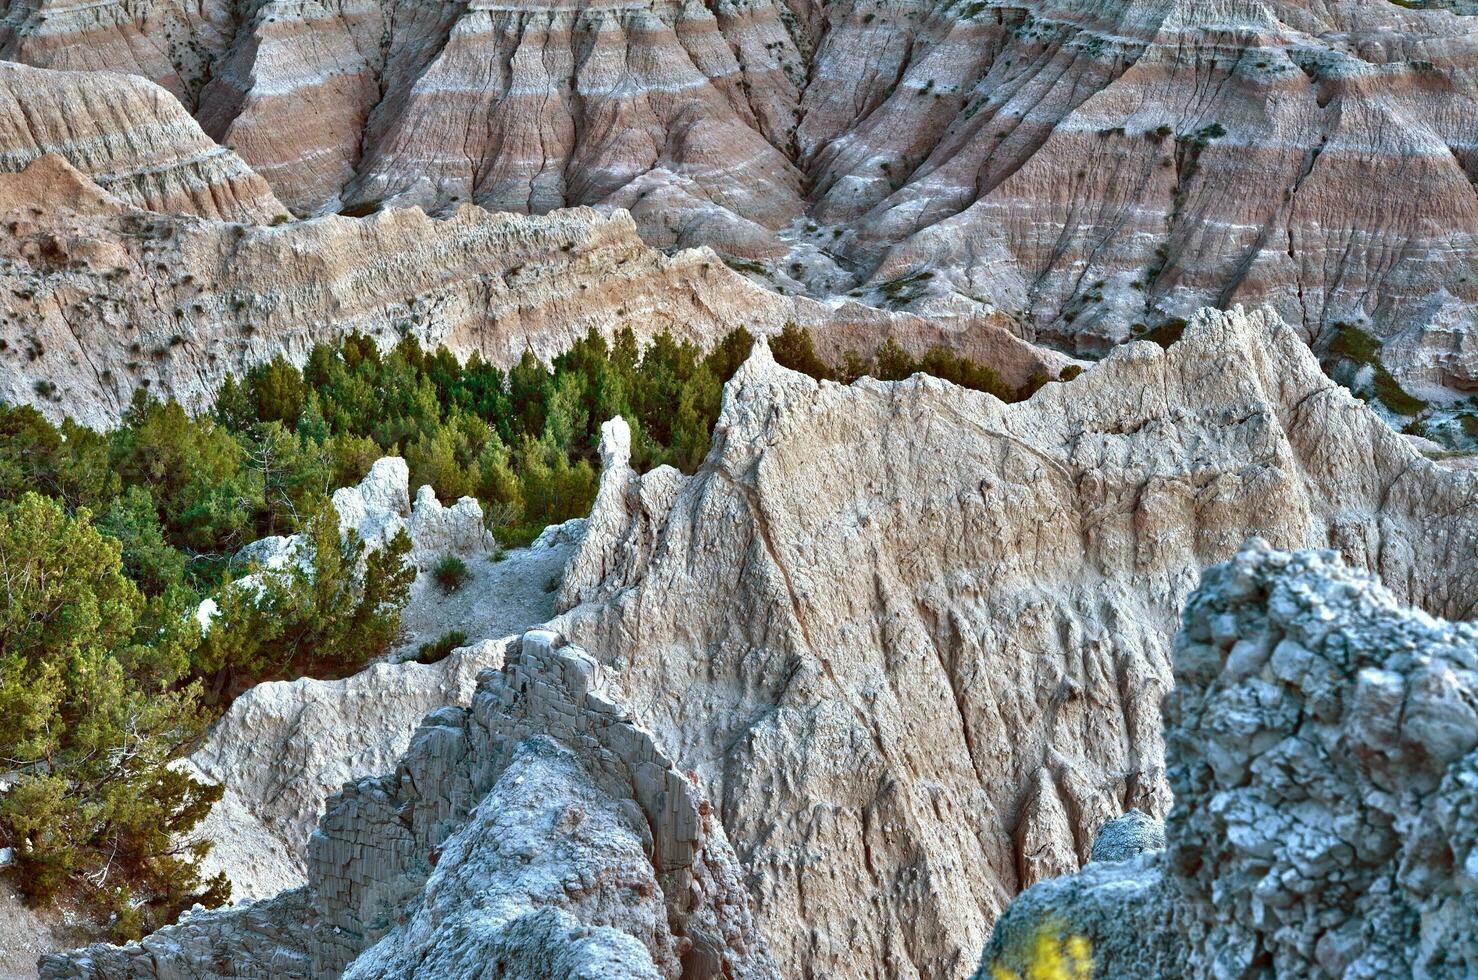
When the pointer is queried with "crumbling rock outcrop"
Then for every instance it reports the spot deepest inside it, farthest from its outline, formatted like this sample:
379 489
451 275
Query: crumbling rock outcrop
935 662
284 747
1322 744
539 832
131 138
379 508
105 299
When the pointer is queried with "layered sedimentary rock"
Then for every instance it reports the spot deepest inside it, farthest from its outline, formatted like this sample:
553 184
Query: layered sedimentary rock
1321 745
1089 169
540 832
132 138
914 640
104 299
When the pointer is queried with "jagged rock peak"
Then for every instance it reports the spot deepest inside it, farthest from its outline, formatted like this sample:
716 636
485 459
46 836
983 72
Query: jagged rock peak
934 658
132 138
1321 743
542 828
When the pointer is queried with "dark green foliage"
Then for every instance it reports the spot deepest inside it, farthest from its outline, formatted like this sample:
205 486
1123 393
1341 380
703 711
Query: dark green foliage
440 648
451 573
92 710
793 349
1166 333
363 209
322 619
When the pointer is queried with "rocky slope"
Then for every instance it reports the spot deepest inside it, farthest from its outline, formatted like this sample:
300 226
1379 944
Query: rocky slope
936 662
1091 170
930 673
1321 740
284 747
540 832
103 299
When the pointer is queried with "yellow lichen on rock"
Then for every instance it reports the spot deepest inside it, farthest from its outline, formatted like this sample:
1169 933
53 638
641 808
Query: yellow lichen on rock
1053 954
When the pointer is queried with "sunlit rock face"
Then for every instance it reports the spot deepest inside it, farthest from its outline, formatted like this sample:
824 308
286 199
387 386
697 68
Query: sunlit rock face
915 641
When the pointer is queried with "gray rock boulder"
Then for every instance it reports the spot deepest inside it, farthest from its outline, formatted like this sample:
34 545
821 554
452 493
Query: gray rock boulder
1125 837
1321 746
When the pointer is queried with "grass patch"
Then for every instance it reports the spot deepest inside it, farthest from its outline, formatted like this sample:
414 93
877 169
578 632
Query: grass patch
363 209
1352 344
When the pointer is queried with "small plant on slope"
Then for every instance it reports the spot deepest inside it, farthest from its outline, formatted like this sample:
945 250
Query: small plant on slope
451 573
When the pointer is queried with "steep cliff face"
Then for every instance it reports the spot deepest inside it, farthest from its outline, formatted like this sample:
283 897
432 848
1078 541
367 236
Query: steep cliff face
105 298
540 832
1091 170
933 660
1321 745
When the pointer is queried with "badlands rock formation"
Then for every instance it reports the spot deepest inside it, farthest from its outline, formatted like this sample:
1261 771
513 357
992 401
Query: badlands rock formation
914 640
104 299
131 138
930 671
285 747
1321 744
540 832
1085 167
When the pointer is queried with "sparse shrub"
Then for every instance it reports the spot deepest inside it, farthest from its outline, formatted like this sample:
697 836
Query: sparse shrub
439 649
451 573
363 209
1166 333
1352 344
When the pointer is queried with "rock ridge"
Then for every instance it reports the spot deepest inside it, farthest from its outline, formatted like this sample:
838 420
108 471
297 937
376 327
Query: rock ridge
542 827
936 665
106 299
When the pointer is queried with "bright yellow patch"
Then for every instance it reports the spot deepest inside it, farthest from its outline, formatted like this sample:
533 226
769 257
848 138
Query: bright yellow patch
1054 955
